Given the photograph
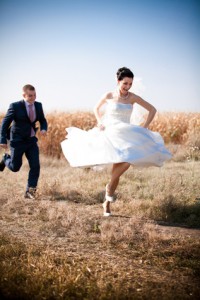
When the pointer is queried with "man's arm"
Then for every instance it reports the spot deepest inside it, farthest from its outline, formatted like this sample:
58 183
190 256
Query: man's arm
43 121
7 120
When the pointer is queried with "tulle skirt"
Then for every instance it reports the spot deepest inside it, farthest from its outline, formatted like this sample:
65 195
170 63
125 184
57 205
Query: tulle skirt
120 142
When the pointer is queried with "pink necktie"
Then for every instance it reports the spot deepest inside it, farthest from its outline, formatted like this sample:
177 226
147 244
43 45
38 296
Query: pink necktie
31 117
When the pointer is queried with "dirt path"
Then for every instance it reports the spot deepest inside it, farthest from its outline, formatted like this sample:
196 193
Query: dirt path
47 221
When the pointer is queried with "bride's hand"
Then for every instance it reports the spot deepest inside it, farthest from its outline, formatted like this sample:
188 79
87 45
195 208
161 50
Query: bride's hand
100 126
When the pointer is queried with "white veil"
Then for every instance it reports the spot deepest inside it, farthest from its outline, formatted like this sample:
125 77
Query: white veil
139 113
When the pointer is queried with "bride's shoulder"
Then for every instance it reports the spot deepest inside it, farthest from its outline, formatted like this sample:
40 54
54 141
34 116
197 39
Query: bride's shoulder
108 95
133 97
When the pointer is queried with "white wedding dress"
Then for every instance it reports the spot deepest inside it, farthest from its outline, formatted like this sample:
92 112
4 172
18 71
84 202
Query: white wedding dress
120 141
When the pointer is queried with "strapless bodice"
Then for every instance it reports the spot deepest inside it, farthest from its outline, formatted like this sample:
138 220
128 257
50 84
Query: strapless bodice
118 112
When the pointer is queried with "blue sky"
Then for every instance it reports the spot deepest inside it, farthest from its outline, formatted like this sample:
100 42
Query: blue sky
71 50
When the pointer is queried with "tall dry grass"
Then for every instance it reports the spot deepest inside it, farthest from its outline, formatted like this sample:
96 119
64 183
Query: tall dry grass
175 127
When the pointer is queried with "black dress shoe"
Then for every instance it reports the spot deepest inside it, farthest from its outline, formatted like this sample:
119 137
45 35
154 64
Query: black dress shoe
2 163
30 194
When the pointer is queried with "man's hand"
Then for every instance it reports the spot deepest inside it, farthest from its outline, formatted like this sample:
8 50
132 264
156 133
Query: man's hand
43 132
4 146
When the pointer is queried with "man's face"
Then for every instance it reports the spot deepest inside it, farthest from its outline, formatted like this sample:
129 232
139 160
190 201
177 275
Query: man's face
29 96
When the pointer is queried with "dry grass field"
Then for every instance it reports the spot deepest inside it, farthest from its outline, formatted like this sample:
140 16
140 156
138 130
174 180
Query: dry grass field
59 246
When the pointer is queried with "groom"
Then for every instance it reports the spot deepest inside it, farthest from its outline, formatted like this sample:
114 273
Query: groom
23 115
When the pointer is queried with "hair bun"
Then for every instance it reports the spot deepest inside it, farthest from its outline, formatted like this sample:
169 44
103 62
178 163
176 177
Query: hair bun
124 72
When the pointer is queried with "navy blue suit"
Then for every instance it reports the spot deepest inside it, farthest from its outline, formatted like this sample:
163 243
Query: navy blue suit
21 141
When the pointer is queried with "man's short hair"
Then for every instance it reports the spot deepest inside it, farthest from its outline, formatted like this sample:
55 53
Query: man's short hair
28 87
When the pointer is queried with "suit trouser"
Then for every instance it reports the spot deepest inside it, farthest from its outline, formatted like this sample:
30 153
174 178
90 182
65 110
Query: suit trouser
31 150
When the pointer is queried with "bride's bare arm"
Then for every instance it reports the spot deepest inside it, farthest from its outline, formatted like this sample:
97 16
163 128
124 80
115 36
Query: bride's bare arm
152 110
97 107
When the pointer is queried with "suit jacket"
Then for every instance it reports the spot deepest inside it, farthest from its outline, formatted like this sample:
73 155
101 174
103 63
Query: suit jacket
21 124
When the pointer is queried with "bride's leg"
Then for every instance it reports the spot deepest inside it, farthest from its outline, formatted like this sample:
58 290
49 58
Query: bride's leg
117 171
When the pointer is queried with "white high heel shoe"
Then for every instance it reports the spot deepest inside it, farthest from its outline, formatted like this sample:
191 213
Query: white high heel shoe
106 214
109 198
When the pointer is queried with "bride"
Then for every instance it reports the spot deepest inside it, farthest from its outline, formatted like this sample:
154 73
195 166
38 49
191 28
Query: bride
115 141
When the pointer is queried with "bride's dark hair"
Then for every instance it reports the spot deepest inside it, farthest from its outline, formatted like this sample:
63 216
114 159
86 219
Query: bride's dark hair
124 72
